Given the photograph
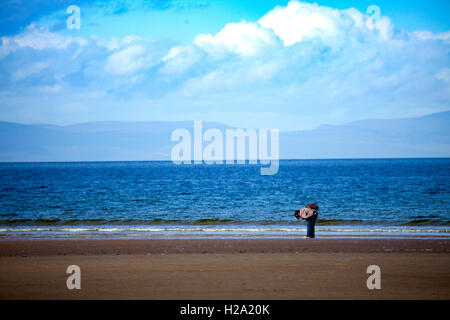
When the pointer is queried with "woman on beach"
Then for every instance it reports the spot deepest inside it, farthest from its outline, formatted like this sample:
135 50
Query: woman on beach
309 213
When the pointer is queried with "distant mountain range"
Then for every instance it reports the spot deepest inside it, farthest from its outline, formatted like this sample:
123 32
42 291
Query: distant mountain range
427 136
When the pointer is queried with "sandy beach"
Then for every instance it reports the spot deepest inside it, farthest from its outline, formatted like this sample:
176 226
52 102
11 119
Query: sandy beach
226 268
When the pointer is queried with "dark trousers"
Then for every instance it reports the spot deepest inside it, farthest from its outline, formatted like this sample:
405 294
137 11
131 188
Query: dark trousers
310 224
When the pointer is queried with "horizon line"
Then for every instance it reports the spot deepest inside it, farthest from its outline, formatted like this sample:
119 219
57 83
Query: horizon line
189 164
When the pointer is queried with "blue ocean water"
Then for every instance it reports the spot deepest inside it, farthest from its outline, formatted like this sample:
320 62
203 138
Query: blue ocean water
161 199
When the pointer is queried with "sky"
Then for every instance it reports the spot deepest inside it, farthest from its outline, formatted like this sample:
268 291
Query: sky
290 65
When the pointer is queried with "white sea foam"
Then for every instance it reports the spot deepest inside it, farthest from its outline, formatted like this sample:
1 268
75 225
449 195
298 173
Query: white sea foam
221 230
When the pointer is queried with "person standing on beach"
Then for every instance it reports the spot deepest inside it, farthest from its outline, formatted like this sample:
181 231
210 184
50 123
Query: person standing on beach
309 213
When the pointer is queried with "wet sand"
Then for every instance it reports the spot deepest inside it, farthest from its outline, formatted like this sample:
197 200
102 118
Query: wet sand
226 268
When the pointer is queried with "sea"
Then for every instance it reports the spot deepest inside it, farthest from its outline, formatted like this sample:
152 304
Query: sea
157 199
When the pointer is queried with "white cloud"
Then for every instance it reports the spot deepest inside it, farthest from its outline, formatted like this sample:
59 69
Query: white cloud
129 60
244 38
299 20
306 60
117 43
428 35
263 71
444 75
50 89
29 70
38 39
180 59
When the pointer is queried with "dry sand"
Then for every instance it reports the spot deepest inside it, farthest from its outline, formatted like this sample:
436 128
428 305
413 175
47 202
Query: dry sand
226 269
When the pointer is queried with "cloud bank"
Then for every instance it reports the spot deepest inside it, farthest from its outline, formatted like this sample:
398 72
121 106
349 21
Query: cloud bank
296 67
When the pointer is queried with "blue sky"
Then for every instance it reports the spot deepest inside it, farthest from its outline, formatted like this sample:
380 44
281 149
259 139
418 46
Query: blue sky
164 18
280 64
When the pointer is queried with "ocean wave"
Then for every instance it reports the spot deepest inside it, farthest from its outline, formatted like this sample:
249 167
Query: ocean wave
212 230
211 221
423 222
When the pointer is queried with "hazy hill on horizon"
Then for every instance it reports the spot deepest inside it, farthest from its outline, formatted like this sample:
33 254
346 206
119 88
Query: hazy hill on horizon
427 136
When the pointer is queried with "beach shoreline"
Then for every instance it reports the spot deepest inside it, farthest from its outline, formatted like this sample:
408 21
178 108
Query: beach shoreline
288 269
215 231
